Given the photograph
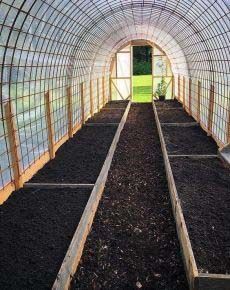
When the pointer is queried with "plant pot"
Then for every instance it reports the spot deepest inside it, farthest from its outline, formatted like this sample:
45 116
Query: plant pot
161 98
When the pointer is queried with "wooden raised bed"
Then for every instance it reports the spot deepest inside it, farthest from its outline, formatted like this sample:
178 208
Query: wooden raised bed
73 255
197 280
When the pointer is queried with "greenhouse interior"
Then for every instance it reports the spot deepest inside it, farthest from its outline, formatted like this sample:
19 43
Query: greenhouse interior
115 144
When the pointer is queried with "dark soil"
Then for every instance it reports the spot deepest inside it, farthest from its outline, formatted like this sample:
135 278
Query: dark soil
80 159
188 140
107 116
174 116
168 104
117 104
133 241
204 189
36 229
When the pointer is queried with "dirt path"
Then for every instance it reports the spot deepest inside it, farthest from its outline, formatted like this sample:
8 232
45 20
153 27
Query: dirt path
133 243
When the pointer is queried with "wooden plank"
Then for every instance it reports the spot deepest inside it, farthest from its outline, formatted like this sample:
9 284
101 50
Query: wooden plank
98 95
210 109
120 78
82 103
110 88
189 124
6 191
103 91
178 97
107 109
228 125
101 124
166 109
184 83
91 98
50 129
70 111
117 90
213 282
188 256
173 87
13 144
196 156
73 255
190 96
198 101
57 185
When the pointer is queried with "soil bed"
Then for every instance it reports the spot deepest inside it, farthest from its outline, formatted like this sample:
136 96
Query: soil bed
36 229
117 104
107 116
188 140
203 186
174 116
80 159
168 104
133 242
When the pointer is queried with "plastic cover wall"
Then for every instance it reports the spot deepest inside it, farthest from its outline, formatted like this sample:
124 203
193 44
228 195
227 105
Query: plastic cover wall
48 45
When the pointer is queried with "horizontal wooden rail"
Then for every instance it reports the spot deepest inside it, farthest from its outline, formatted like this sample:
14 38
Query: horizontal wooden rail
57 185
189 124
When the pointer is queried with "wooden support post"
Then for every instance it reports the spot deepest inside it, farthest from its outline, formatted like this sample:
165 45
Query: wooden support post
98 95
210 109
91 98
13 145
198 101
131 72
82 103
103 90
173 87
190 96
50 129
184 92
110 88
228 125
178 97
70 112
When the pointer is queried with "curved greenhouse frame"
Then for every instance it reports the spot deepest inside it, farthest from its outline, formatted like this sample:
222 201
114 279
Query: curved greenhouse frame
54 53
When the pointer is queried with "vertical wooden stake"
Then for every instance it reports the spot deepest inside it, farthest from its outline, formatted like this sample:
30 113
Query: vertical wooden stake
103 90
228 126
70 111
198 101
98 95
152 66
131 72
110 88
173 87
210 110
82 103
50 129
190 96
178 87
91 98
183 91
14 145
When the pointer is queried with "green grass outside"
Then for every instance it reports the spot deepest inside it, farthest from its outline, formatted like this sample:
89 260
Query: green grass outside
142 88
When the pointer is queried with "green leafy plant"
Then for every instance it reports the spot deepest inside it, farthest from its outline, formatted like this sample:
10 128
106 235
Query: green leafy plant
161 90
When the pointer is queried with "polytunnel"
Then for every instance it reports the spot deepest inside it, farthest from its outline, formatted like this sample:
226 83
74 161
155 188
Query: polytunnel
68 112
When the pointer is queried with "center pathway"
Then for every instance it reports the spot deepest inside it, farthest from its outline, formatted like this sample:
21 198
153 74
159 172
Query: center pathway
133 243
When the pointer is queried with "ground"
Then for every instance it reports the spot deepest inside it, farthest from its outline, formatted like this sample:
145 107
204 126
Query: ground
142 88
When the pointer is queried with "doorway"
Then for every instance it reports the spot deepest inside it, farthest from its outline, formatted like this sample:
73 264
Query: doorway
142 74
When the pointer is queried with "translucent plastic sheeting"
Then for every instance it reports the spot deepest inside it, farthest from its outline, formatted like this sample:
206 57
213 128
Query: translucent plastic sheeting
48 45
